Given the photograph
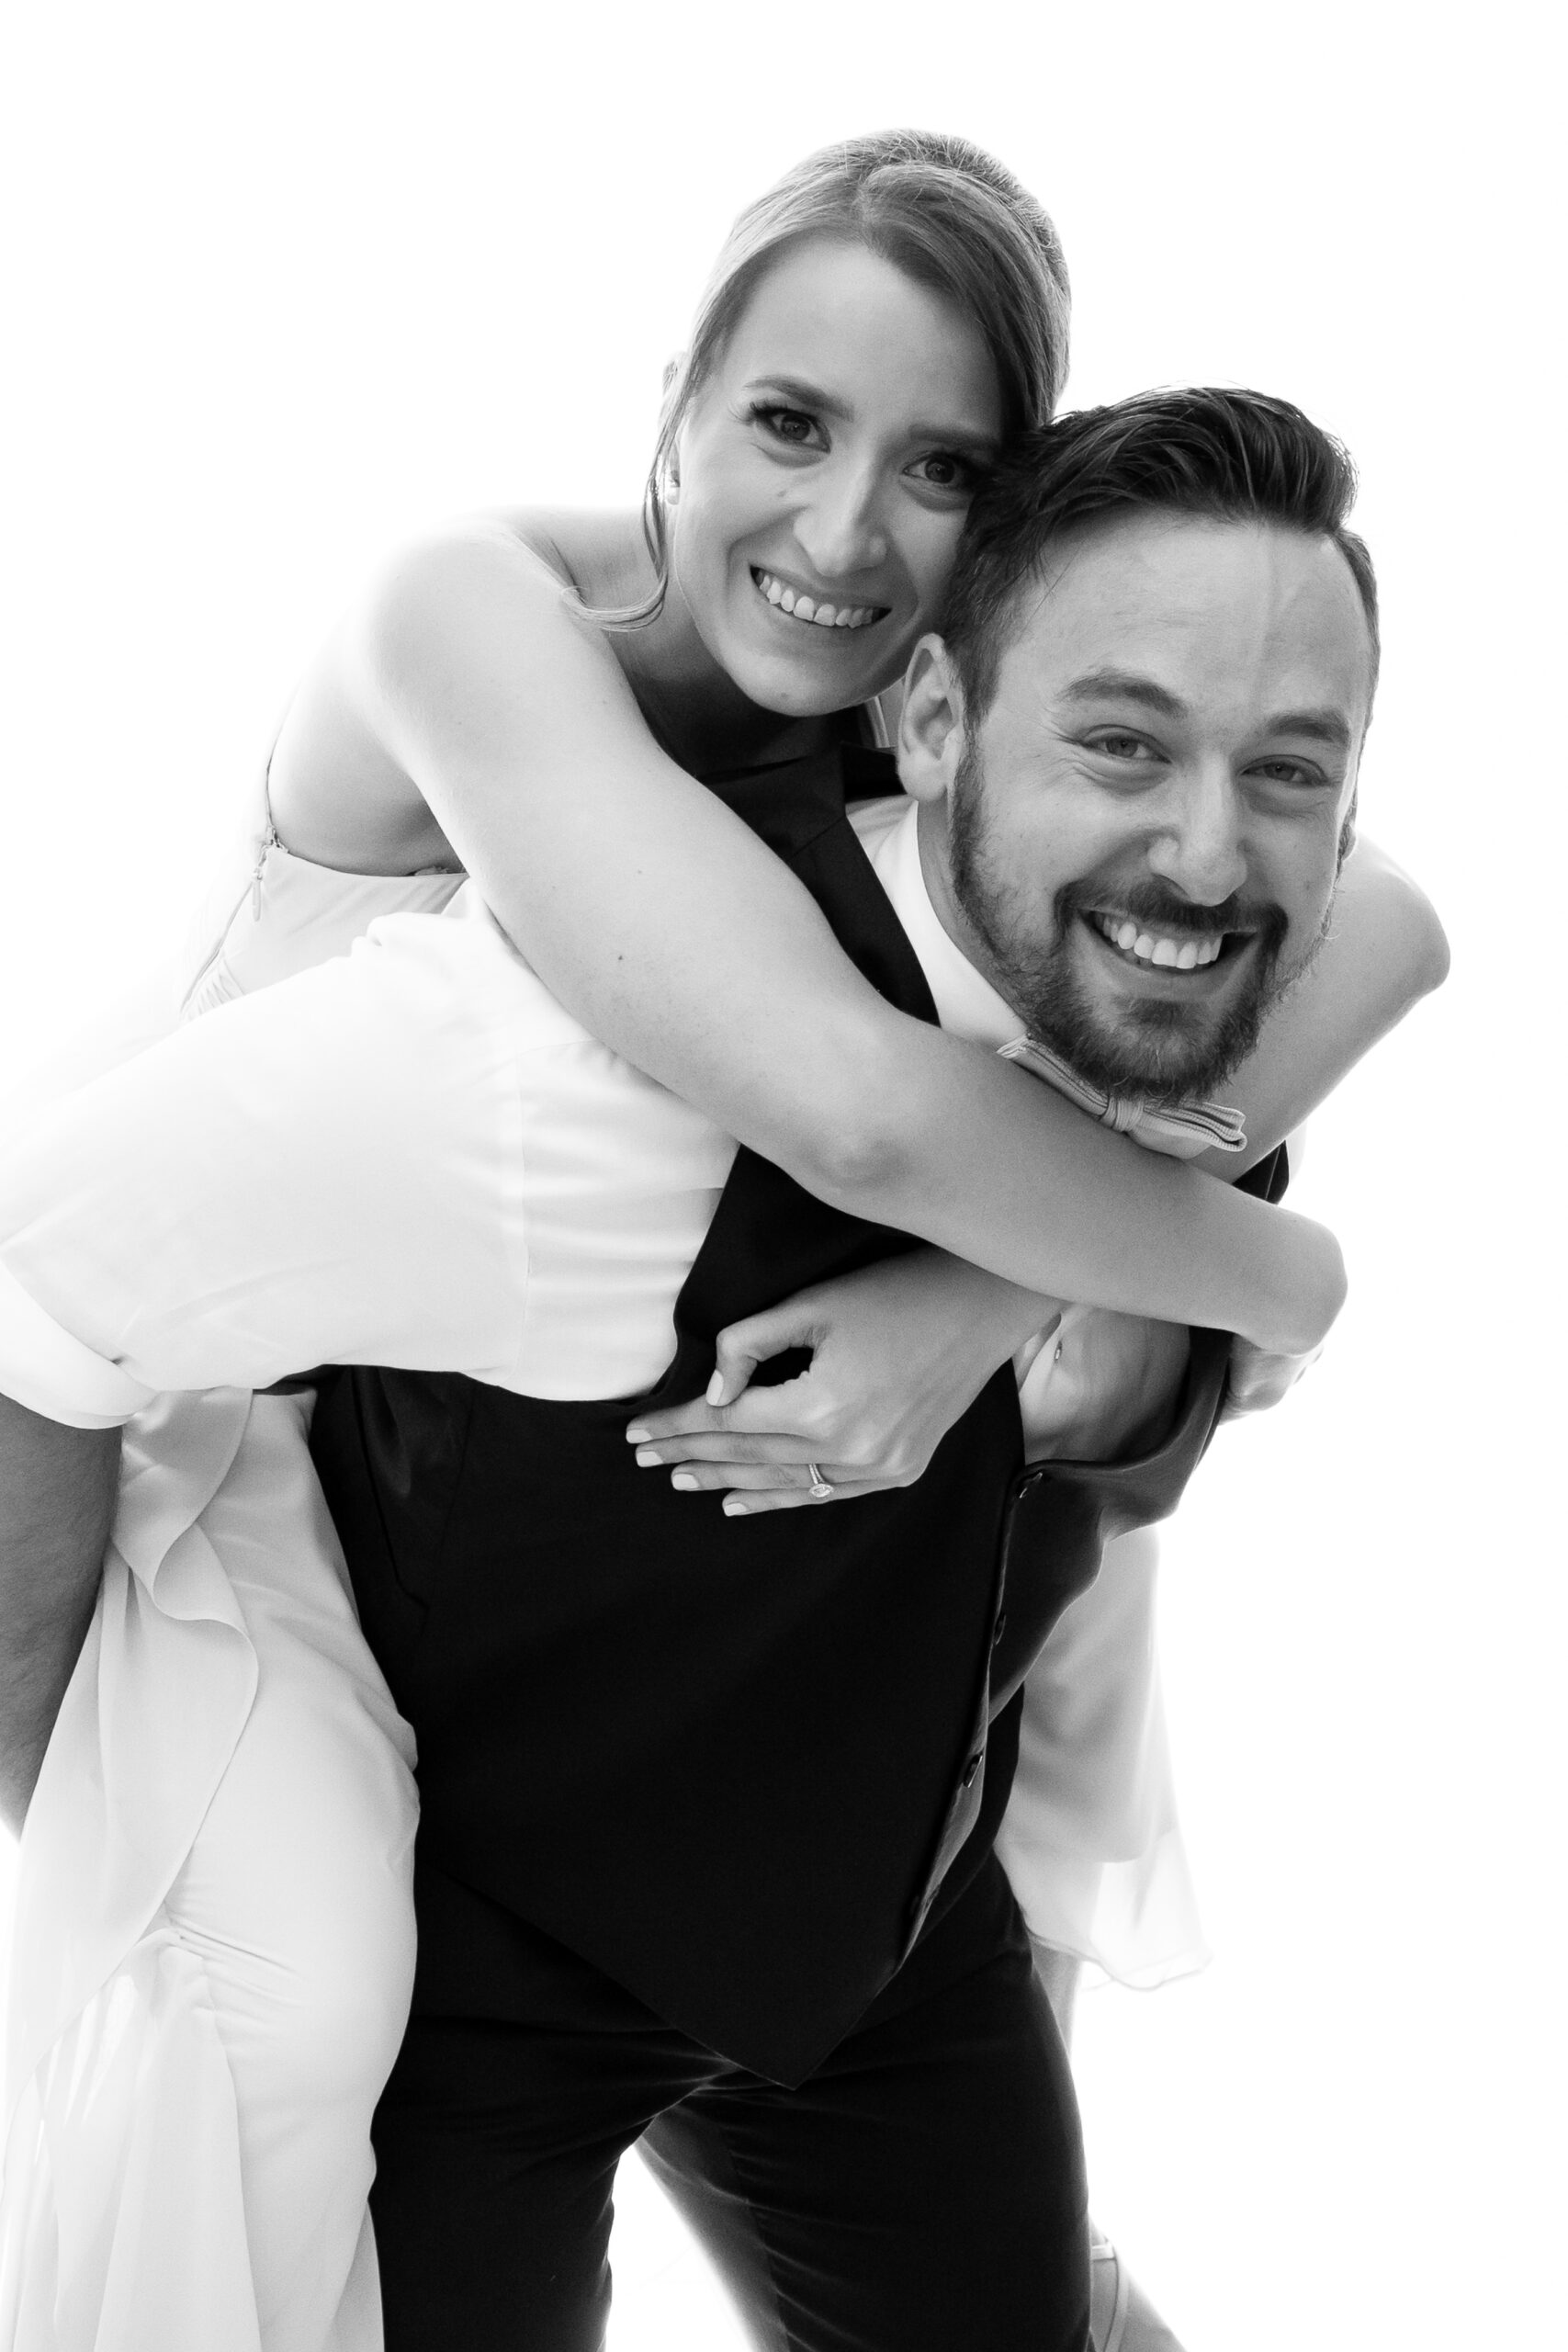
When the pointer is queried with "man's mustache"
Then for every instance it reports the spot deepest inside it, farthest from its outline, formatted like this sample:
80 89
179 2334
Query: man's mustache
1144 902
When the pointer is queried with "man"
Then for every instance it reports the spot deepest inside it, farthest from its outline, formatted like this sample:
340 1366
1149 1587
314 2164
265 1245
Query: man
706 1829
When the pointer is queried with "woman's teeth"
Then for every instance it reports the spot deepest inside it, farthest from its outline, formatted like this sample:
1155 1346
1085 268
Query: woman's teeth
1151 947
805 609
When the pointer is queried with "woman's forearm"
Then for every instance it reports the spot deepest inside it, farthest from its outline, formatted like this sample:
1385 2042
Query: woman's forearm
762 1022
1385 950
1018 1181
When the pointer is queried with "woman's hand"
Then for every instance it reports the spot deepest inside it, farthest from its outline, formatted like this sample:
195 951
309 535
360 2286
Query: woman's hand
899 1352
1258 1378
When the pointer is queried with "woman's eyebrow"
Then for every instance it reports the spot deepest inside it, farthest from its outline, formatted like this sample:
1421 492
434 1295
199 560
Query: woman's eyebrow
796 390
948 432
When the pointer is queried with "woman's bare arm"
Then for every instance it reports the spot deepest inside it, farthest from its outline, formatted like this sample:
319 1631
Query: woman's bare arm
899 1352
1385 950
674 935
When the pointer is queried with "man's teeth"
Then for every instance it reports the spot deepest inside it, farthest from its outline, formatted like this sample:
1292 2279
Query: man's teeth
1151 947
804 609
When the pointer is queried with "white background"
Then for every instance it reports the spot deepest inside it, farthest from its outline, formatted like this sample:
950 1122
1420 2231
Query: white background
288 282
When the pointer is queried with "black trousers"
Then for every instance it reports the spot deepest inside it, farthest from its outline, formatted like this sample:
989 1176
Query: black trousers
923 2191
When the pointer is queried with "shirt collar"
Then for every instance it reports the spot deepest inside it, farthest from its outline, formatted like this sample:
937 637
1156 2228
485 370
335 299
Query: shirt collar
967 1005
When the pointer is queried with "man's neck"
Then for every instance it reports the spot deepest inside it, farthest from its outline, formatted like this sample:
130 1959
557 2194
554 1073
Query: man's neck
930 831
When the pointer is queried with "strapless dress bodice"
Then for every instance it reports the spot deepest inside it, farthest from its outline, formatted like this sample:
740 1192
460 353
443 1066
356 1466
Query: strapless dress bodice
269 914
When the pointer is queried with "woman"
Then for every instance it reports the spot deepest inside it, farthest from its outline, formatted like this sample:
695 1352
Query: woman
876 327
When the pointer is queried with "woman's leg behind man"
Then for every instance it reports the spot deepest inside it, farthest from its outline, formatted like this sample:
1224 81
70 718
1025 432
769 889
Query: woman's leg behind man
296 1900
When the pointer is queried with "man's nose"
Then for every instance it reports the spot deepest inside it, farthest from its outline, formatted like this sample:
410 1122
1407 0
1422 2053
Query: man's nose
1199 847
840 528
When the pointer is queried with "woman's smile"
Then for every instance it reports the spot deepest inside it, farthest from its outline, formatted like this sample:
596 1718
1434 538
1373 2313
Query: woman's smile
815 609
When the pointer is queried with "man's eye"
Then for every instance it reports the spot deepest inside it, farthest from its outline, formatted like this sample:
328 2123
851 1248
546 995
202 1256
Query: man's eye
789 424
1120 747
1288 772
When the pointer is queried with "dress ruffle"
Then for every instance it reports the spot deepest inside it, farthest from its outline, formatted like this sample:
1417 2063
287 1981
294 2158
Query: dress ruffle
153 1713
135 2213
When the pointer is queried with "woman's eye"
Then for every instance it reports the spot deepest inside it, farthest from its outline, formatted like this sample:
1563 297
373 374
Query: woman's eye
944 470
791 425
1119 747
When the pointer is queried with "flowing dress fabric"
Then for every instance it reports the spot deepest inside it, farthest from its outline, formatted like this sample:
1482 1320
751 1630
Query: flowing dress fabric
1090 1840
213 1937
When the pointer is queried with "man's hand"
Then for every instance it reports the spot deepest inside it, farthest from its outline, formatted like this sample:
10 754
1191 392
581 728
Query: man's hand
1258 1378
57 1502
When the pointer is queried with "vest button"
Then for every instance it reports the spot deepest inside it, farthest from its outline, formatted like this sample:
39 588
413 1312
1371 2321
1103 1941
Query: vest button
970 1769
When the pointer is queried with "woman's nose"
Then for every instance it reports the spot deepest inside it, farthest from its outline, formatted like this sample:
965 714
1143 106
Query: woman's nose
840 528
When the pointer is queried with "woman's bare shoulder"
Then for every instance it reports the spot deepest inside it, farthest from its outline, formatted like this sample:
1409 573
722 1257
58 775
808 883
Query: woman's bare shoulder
598 553
477 622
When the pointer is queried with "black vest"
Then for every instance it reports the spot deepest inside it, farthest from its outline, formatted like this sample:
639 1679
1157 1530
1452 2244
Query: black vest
735 1764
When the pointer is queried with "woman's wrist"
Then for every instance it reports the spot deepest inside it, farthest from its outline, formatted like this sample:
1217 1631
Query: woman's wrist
1304 1312
998 1316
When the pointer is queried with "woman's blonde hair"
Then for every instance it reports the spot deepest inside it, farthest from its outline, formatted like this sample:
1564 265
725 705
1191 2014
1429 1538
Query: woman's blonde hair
939 209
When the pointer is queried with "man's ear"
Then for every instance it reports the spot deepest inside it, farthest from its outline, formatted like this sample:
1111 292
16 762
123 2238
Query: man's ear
930 725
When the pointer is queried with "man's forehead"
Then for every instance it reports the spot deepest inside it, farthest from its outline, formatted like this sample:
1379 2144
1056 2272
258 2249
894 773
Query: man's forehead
1195 608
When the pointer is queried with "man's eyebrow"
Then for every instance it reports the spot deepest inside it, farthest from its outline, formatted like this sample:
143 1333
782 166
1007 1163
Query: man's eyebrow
1329 726
795 393
1125 685
1325 725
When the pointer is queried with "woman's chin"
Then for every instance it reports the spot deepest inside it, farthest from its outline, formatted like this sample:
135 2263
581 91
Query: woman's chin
799 688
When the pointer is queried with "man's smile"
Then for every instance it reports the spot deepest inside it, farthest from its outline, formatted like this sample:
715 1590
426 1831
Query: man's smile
1185 963
1157 948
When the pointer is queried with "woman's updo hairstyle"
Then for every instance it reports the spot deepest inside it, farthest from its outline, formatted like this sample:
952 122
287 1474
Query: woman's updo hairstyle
939 209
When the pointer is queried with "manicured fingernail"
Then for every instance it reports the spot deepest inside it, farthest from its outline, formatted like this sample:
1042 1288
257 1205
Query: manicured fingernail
684 1480
734 1508
646 1457
635 1436
716 1388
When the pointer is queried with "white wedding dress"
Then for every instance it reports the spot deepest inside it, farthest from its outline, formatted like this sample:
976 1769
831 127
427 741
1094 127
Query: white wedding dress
212 1945
213 1936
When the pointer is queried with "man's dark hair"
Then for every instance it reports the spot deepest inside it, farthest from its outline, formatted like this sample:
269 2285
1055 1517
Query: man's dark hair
1239 457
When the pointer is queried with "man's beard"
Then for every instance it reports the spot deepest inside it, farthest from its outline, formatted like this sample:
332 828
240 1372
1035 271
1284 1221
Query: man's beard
1162 1049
